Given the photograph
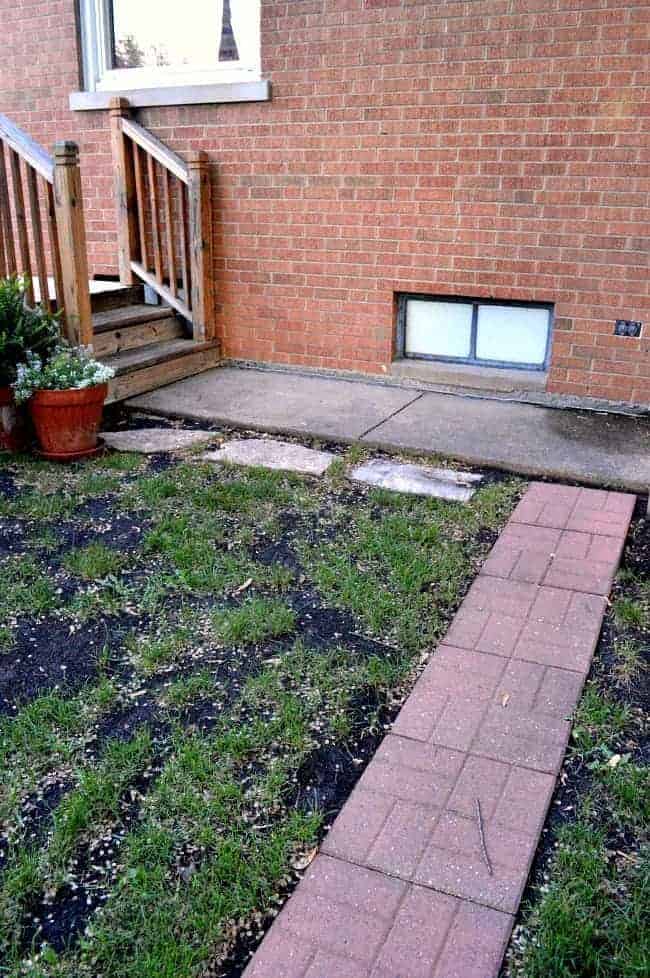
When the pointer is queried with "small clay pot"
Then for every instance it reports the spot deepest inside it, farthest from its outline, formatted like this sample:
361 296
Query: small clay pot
67 422
14 430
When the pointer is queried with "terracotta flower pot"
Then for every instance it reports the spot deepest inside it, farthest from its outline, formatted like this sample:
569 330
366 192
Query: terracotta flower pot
14 432
67 422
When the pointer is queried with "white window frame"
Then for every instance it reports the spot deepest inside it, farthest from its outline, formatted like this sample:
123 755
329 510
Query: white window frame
100 76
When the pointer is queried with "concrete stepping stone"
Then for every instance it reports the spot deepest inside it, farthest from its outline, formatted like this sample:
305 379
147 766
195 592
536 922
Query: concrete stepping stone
272 454
150 441
420 480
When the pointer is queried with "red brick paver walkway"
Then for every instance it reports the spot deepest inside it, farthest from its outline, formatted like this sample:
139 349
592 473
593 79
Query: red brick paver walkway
412 882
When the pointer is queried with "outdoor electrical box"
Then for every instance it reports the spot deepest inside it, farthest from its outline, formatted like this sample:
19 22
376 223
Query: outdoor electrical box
627 327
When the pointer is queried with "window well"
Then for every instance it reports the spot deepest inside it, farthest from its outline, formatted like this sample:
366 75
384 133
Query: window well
494 333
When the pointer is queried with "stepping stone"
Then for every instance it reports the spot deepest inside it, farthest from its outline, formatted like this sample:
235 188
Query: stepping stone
273 455
150 441
420 480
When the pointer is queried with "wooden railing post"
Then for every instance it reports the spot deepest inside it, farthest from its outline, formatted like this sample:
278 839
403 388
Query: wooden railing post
68 204
200 221
127 229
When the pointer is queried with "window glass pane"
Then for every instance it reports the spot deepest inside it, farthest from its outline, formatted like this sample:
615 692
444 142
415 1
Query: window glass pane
440 329
513 334
164 33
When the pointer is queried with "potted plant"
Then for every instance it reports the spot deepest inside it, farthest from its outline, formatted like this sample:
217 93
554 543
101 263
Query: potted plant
65 395
22 331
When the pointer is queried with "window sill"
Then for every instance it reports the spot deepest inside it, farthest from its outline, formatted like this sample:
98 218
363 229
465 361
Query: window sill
244 91
467 376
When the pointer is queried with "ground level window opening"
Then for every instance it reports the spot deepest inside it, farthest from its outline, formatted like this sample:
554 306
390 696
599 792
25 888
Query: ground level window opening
481 332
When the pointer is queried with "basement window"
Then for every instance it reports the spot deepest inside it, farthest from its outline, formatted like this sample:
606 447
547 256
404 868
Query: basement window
485 332
131 47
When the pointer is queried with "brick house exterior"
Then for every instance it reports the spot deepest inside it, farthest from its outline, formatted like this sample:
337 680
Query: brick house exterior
494 148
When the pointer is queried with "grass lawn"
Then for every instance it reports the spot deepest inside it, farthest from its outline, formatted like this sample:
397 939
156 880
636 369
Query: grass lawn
195 665
586 913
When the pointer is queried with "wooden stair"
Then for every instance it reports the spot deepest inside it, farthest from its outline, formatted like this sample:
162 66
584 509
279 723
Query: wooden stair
148 346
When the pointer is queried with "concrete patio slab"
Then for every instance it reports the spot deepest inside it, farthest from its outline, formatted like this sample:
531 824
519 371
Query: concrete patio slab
279 402
597 449
150 441
271 454
424 868
419 480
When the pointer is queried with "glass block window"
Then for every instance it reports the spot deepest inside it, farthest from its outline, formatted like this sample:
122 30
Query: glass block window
492 333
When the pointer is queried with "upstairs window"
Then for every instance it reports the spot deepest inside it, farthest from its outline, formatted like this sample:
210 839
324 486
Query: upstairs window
140 44
501 334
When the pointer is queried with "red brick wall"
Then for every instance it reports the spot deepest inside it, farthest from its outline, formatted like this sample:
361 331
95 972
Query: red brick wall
486 148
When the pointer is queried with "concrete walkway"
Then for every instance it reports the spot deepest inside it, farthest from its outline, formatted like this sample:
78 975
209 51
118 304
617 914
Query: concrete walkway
597 449
423 871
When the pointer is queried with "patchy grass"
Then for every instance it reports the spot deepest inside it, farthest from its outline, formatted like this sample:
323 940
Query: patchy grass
586 913
93 562
255 620
196 662
25 588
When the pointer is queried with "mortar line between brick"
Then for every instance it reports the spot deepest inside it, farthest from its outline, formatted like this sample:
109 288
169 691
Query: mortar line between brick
423 886
553 587
475 753
389 417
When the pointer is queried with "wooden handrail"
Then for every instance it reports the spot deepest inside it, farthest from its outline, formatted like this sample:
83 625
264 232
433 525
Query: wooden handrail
153 147
164 220
27 148
42 227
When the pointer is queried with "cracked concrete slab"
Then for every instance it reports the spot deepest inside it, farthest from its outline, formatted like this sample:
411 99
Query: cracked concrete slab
279 402
599 449
583 446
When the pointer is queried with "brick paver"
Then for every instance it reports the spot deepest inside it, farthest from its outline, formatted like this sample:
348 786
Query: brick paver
423 870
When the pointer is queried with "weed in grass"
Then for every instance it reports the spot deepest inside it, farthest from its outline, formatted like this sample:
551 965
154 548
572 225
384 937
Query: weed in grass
97 484
120 461
25 588
107 597
153 489
184 692
94 562
6 639
36 505
629 613
593 918
630 661
597 720
253 621
280 578
45 539
152 653
97 796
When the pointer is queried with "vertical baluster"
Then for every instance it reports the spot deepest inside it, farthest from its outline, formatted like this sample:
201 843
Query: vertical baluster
37 236
3 255
54 245
170 232
21 223
185 247
155 217
139 196
5 216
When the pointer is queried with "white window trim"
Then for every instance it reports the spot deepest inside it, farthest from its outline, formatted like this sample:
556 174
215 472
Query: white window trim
226 82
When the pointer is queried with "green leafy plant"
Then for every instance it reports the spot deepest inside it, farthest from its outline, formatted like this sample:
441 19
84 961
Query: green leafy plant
68 368
23 331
